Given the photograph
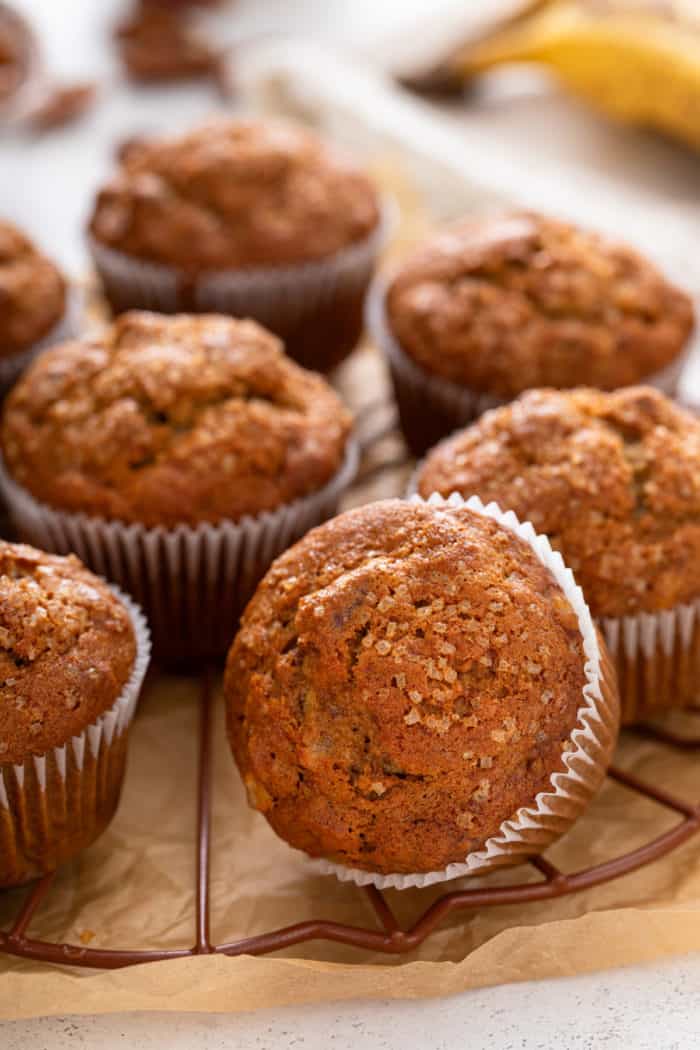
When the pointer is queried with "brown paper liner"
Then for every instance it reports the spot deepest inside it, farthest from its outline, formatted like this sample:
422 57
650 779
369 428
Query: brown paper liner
52 806
430 407
192 582
657 657
315 307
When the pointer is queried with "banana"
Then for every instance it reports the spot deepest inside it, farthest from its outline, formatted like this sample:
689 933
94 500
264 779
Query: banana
636 60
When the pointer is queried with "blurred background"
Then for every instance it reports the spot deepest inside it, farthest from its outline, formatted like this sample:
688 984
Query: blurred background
513 133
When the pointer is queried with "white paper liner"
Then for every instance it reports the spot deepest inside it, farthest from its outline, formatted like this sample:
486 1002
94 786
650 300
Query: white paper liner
534 827
192 581
280 297
35 821
459 405
12 367
657 656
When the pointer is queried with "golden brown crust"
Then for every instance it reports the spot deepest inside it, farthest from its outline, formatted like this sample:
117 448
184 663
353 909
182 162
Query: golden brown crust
172 420
67 649
32 292
613 479
405 678
515 301
232 194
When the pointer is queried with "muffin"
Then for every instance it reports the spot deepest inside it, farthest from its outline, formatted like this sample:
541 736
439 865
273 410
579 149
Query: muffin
614 480
72 659
251 219
493 306
33 303
177 456
408 678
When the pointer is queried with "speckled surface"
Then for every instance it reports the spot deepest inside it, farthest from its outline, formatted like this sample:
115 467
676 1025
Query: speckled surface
638 1009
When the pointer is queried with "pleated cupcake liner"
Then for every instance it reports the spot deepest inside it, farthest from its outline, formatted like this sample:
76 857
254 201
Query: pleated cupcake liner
316 307
430 407
534 827
192 581
657 656
56 804
12 367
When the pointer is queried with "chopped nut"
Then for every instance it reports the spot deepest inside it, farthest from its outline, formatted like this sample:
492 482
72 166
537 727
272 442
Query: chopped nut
482 792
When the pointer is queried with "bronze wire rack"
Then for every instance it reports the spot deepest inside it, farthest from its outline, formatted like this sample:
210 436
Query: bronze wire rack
386 935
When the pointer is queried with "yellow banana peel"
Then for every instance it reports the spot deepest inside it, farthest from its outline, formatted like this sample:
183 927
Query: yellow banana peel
636 60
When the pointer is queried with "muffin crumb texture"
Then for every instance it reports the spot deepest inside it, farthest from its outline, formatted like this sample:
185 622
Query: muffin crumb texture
612 479
67 649
509 302
232 194
32 292
173 420
405 679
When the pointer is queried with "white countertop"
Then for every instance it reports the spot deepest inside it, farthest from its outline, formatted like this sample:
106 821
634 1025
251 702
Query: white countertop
641 1009
46 186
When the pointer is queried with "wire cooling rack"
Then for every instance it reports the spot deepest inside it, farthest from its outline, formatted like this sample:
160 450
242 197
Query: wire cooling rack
386 934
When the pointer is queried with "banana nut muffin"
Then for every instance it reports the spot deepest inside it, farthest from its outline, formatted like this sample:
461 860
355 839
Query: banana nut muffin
406 678
258 220
172 420
514 301
68 653
493 306
614 481
67 650
32 293
233 194
612 478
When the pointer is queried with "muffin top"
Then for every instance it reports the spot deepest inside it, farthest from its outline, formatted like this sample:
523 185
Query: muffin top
514 301
67 649
613 479
405 678
32 292
233 194
168 420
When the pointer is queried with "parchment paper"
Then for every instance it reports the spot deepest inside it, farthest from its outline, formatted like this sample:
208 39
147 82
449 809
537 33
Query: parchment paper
135 887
